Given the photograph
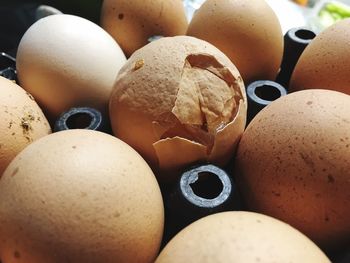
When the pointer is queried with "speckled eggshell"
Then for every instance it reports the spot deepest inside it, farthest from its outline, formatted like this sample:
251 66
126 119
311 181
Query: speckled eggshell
325 63
21 122
248 32
293 163
133 22
240 237
67 61
79 196
177 101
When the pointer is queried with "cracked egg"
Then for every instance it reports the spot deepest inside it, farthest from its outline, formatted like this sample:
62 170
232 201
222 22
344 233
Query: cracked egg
178 101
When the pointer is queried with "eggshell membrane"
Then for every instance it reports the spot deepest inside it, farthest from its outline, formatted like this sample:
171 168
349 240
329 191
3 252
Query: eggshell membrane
240 237
324 64
293 163
79 196
67 61
160 108
22 121
133 22
248 32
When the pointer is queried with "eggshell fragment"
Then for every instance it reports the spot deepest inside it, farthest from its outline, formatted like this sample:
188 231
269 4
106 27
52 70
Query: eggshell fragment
133 22
179 100
240 237
21 122
324 64
67 61
79 196
293 163
248 32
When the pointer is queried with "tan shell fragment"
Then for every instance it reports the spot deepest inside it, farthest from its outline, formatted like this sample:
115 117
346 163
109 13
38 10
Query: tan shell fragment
185 104
220 152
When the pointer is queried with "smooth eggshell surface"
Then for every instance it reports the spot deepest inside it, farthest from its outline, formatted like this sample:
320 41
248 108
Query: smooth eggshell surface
293 163
79 196
325 63
177 101
248 32
240 237
133 22
21 122
67 61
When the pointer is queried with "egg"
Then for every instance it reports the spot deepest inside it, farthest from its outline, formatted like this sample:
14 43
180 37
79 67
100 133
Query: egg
178 101
240 237
21 122
248 32
67 61
293 163
324 64
133 22
79 196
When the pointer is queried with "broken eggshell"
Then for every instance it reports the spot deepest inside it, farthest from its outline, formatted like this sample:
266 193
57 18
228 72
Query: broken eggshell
177 101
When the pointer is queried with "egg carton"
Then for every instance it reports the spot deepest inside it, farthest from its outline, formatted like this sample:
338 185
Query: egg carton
191 6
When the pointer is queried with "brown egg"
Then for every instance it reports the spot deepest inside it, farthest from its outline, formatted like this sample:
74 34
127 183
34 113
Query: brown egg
67 61
240 237
293 163
22 121
133 22
79 196
248 32
325 63
177 101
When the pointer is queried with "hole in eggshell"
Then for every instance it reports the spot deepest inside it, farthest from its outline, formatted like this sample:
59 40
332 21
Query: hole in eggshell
207 99
267 92
208 185
79 121
305 34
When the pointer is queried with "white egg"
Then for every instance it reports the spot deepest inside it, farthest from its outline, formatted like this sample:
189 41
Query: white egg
66 61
